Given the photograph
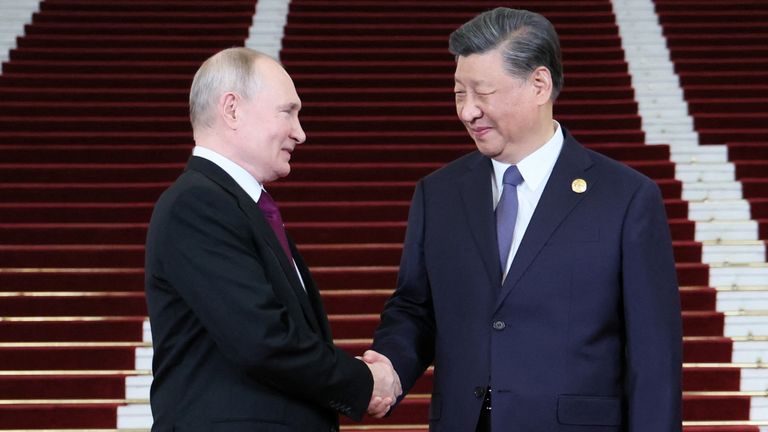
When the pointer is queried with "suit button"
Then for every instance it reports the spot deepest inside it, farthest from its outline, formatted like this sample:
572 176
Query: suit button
499 325
479 392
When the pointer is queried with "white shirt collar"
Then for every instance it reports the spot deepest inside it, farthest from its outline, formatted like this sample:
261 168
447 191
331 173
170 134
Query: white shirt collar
536 167
250 185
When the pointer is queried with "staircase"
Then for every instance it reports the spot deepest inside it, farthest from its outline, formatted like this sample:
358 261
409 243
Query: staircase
93 127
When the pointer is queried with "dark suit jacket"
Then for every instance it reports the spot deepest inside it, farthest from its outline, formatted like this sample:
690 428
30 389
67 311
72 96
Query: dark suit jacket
585 333
238 344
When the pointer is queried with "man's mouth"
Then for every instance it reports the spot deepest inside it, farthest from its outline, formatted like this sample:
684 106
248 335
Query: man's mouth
480 131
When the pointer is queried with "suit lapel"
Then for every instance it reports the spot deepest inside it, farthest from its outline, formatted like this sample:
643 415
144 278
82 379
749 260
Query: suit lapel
476 194
313 295
260 226
557 201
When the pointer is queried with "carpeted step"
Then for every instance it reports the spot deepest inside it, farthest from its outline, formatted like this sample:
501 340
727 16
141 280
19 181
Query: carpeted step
33 139
82 255
703 323
724 52
718 135
413 19
729 15
354 302
93 233
714 427
751 169
693 39
755 187
716 78
107 386
720 407
60 415
445 7
84 154
747 151
213 42
353 28
737 64
245 7
435 41
711 379
11 94
724 28
109 304
759 208
727 105
749 120
51 212
698 298
192 30
72 329
238 19
731 90
440 58
72 279
61 356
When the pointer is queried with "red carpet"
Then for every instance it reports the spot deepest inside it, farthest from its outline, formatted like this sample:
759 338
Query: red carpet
725 93
93 127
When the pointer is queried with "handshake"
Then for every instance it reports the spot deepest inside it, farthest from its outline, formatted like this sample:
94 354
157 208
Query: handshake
386 383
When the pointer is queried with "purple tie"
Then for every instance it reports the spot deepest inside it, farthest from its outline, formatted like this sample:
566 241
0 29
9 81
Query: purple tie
272 214
506 213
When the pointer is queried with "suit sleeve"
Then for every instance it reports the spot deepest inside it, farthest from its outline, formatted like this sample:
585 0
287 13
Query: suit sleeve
652 316
211 259
407 331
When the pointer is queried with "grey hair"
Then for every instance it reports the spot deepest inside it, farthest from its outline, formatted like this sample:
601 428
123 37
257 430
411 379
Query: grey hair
230 70
528 41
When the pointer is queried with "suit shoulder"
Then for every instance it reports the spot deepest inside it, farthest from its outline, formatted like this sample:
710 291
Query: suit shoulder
455 168
620 173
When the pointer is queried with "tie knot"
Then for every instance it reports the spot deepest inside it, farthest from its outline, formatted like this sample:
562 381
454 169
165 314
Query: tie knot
267 204
512 176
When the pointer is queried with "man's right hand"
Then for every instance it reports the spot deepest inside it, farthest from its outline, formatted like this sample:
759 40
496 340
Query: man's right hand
386 383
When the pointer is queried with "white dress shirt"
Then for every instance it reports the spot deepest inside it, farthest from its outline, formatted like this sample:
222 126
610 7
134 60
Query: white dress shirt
243 178
535 169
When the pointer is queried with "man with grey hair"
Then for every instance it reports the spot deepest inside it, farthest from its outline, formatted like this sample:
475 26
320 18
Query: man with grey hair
537 275
241 339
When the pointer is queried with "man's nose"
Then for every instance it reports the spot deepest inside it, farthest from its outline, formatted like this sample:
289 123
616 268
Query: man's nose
298 134
469 110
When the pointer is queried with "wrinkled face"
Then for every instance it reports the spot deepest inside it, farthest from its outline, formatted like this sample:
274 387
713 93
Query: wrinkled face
498 110
268 125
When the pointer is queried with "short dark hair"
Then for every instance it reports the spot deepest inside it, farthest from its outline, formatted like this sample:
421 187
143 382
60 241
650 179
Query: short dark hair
528 41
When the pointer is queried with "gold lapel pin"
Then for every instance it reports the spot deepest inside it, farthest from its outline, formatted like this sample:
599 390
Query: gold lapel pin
579 186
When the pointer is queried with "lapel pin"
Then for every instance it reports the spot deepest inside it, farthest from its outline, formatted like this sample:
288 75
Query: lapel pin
579 186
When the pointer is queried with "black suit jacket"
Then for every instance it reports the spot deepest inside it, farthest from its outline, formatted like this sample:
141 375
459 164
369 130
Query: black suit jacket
585 332
238 344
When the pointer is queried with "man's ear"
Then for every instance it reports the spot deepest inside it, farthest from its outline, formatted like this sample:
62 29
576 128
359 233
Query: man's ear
227 109
541 79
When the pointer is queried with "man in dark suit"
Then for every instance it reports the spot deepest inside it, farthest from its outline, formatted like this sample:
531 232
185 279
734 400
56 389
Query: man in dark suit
241 339
537 275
